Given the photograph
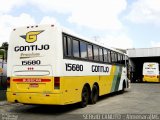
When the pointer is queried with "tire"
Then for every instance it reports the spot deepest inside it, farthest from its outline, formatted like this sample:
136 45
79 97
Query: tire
124 87
94 94
85 97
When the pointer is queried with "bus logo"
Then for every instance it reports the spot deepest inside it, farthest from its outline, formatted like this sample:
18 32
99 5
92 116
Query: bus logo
150 65
31 36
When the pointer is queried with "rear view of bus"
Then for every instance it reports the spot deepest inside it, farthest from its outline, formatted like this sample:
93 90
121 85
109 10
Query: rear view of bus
48 64
151 72
30 65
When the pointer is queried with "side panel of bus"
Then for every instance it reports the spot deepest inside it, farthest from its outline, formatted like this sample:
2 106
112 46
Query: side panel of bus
73 84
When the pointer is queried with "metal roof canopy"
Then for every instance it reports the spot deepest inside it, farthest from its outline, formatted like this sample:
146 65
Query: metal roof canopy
138 56
143 52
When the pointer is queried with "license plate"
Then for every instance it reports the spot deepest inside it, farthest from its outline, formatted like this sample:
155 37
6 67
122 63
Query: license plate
33 85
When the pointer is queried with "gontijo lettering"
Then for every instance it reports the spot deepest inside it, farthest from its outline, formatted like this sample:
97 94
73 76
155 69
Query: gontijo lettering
96 68
31 48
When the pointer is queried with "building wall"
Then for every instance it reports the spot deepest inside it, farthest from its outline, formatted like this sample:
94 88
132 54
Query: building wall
143 52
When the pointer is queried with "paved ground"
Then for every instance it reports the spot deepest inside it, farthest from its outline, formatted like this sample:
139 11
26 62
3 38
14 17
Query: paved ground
142 98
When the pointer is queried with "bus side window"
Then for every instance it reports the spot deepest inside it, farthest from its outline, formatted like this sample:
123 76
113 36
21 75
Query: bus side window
109 56
123 59
76 48
113 57
90 52
116 57
95 51
105 55
67 45
119 58
83 49
101 54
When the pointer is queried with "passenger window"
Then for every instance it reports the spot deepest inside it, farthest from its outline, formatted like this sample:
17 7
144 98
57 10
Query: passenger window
67 46
83 49
119 58
75 48
90 52
123 59
109 56
95 49
100 54
113 56
105 55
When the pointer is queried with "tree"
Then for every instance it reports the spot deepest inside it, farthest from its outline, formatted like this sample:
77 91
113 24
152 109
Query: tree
5 48
1 54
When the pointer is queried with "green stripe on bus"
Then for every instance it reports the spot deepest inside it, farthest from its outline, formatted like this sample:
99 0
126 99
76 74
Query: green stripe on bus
116 79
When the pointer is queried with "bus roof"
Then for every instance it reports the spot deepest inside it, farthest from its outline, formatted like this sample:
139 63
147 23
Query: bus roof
70 32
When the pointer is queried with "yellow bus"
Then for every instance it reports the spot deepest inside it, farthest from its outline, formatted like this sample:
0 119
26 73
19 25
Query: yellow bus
151 72
48 64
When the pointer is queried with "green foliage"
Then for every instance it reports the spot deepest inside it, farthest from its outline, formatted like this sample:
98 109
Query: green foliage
3 50
5 45
1 54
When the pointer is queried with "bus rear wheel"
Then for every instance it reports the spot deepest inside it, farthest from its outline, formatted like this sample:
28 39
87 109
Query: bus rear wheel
85 97
94 94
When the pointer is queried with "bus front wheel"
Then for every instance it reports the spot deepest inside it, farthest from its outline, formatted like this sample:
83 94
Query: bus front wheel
124 86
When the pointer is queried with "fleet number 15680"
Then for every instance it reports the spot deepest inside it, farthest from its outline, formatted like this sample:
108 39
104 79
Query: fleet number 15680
31 62
74 67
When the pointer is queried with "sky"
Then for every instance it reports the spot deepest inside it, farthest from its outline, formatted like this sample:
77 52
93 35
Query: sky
116 23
